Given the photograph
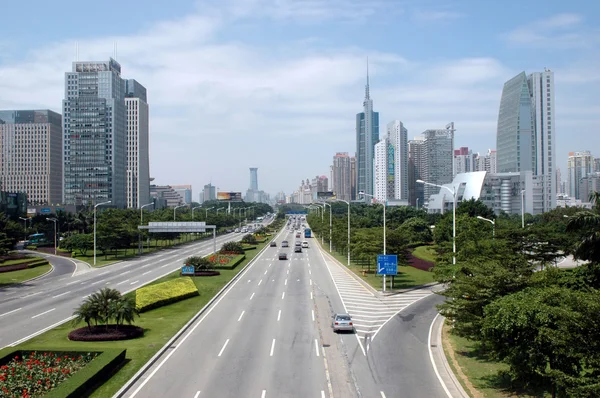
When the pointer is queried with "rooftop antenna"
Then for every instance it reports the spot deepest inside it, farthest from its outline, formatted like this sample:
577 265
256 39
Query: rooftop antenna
115 51
367 94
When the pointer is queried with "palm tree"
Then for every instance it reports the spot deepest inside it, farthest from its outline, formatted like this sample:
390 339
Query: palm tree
588 224
84 313
102 301
123 311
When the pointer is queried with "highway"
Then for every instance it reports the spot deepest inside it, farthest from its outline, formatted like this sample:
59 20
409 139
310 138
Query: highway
30 308
269 335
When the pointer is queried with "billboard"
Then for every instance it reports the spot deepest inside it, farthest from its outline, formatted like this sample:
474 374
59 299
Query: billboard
326 195
229 196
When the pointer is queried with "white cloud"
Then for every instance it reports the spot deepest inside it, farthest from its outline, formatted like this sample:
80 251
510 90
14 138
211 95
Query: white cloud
219 107
436 15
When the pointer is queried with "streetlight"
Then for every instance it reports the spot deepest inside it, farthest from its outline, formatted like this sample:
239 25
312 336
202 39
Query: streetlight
142 213
384 217
348 203
206 212
24 228
329 204
522 208
194 208
493 225
54 220
453 192
141 242
95 206
417 203
175 209
219 209
322 211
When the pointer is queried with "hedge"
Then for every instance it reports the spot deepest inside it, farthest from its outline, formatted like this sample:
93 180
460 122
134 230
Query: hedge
21 266
249 247
233 263
86 379
154 296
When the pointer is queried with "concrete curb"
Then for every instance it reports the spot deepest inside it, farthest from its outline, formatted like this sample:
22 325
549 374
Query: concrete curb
123 390
440 363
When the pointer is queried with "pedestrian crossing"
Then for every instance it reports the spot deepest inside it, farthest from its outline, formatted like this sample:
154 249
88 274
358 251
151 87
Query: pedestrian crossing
369 310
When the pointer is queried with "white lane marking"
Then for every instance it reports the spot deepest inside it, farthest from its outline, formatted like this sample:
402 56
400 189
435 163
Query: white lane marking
100 281
288 271
382 394
285 282
322 394
278 315
125 273
270 265
43 313
272 348
62 294
248 281
105 272
431 358
125 281
10 312
264 394
32 294
241 315
251 296
311 282
146 273
197 394
309 273
282 295
68 283
133 283
313 314
223 349
317 347
84 282
259 282
266 272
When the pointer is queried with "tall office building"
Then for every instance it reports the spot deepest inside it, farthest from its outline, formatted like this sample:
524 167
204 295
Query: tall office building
30 155
398 139
95 134
185 191
254 178
341 176
579 165
353 178
597 165
138 147
416 159
210 192
367 135
463 161
438 159
380 171
525 135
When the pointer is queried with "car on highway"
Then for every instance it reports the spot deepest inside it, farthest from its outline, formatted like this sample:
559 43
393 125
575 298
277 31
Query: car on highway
305 245
342 323
297 244
285 244
297 235
297 249
273 244
282 256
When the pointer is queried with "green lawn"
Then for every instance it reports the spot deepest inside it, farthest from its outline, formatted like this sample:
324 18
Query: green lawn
19 261
8 278
426 253
408 277
477 374
160 325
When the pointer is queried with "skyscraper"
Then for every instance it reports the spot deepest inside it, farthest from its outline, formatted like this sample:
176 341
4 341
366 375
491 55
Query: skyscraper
463 161
30 155
438 158
94 134
579 165
398 139
380 171
341 173
525 135
254 178
138 150
367 135
416 159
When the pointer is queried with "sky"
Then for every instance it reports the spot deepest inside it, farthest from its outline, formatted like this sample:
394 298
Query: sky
276 84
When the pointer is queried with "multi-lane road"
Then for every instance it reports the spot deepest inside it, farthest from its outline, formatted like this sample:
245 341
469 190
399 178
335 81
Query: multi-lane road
30 308
269 335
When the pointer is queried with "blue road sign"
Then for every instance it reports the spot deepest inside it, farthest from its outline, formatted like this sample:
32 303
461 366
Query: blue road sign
387 264
187 270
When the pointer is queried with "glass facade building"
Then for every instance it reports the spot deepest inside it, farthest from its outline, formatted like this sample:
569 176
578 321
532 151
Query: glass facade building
367 135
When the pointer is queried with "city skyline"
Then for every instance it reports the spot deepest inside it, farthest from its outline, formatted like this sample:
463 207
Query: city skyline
206 80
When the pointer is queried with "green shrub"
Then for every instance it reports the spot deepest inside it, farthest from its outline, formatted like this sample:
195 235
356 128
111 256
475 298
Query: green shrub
160 294
232 247
251 239
233 263
37 263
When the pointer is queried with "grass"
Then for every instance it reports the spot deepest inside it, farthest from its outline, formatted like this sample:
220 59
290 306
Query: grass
476 372
408 277
27 259
426 253
8 278
160 325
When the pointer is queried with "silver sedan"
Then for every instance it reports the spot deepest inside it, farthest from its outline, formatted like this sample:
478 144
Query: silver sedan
342 322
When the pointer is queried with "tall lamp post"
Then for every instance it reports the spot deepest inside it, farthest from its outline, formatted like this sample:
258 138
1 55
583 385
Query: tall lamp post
348 203
493 225
329 204
206 212
24 229
453 192
95 207
322 210
522 208
194 208
53 220
175 210
141 246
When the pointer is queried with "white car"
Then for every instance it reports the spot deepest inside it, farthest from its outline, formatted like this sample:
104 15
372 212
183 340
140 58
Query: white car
305 245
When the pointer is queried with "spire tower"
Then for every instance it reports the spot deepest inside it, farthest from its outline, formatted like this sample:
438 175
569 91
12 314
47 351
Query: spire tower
367 93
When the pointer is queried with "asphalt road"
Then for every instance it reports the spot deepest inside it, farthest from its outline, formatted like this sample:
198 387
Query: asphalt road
30 308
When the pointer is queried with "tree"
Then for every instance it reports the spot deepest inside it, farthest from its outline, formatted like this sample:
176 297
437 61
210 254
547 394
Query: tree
81 242
9 233
416 231
474 208
587 223
249 239
106 305
199 263
232 247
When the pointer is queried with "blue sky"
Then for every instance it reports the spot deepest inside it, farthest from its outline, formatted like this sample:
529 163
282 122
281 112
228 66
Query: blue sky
276 84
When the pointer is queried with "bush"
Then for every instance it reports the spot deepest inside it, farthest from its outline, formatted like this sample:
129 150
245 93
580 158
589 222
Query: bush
251 239
160 294
199 263
232 248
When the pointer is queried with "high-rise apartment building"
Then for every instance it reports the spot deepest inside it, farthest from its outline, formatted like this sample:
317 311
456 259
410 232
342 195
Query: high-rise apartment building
416 159
398 139
438 158
367 135
341 172
254 178
209 192
525 135
30 155
381 171
463 161
138 146
597 165
579 165
95 134
486 162
559 183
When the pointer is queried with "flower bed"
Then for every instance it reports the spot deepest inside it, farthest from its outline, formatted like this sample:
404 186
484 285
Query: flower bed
226 261
36 373
106 333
